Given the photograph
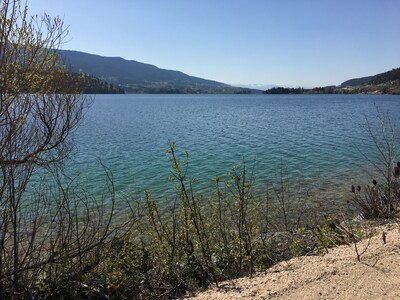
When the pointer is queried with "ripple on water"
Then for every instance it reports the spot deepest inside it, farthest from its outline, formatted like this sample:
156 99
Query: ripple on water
315 139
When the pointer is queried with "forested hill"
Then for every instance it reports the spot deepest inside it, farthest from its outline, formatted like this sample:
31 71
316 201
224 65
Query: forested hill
139 77
89 84
386 77
383 83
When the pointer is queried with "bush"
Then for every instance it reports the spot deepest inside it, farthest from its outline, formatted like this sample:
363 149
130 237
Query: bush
382 198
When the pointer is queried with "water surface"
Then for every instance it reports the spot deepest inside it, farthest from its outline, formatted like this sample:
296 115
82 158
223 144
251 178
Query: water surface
316 140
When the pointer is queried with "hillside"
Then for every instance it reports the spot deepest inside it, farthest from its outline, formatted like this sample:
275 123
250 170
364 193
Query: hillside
357 81
385 77
137 77
382 83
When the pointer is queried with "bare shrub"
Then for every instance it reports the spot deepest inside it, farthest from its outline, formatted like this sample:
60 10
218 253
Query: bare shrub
53 230
382 198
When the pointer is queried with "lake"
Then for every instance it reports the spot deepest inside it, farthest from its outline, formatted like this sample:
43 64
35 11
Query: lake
318 141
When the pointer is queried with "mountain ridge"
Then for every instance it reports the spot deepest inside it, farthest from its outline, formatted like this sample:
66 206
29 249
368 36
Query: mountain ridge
135 76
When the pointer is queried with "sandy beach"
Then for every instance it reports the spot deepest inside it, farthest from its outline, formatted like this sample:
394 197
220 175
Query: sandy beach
335 275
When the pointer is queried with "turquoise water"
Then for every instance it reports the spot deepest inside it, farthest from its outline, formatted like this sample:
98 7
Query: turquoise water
315 139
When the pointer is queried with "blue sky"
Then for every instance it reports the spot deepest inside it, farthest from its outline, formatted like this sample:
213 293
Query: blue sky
295 43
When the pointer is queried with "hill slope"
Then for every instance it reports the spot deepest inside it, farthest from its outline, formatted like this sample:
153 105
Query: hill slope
393 75
135 76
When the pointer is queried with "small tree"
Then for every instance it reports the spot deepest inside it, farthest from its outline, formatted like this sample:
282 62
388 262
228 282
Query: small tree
39 109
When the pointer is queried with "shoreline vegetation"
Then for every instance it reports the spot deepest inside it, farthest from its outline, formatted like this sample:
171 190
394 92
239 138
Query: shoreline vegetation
93 85
89 84
378 89
387 83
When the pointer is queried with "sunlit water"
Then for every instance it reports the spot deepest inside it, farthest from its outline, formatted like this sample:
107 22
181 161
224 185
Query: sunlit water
317 140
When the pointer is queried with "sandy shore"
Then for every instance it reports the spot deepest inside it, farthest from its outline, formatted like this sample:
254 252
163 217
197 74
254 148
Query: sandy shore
335 275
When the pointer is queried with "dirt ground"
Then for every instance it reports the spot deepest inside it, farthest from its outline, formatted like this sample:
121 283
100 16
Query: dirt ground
335 275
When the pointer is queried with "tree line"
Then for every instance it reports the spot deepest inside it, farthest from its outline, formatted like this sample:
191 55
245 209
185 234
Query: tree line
89 84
